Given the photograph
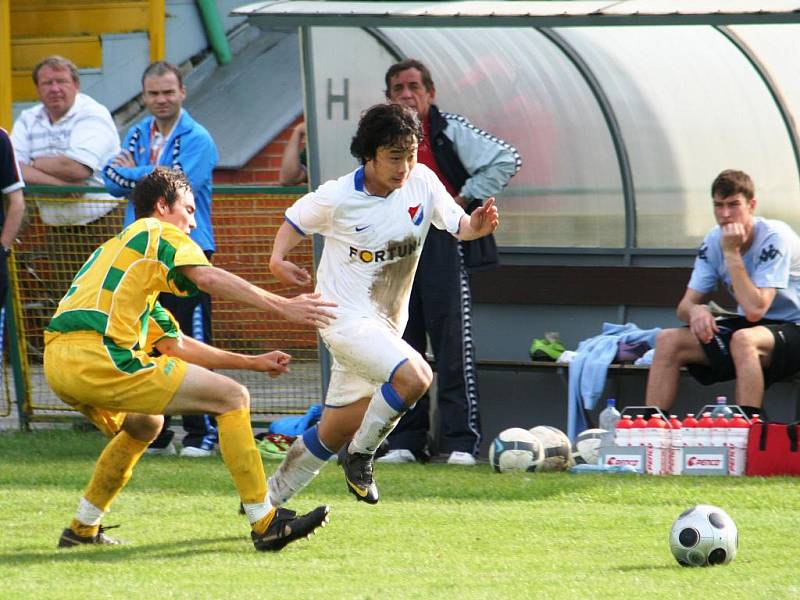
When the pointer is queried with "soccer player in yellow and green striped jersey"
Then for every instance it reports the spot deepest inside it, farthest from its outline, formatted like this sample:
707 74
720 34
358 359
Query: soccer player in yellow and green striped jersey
99 359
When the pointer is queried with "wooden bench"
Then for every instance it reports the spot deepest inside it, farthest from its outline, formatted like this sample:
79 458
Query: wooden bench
614 370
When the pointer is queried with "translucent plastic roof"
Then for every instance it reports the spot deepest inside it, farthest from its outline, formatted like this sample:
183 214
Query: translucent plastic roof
621 129
476 13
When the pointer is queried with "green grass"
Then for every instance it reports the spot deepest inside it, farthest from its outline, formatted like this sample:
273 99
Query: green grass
438 532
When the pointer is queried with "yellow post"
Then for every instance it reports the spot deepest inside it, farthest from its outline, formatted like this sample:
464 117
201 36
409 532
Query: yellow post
157 30
5 64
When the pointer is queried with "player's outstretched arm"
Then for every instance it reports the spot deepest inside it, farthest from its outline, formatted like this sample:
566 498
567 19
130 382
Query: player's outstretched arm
285 270
306 309
483 221
198 353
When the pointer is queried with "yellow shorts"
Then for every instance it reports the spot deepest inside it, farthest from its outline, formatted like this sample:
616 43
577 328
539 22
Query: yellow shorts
105 384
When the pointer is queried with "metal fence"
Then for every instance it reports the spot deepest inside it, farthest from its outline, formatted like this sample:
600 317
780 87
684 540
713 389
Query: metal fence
245 221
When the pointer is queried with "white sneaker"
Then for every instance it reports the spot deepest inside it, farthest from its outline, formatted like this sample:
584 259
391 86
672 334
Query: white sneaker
195 452
461 458
399 455
168 450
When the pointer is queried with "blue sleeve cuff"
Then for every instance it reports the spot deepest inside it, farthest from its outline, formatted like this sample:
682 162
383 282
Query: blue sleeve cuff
296 228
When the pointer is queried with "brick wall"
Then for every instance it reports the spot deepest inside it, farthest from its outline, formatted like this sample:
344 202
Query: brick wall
263 168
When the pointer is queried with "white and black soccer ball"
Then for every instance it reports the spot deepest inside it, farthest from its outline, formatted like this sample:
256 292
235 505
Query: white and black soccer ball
556 449
703 536
515 449
586 449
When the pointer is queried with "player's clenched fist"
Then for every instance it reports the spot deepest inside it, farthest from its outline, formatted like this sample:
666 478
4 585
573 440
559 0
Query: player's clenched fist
273 363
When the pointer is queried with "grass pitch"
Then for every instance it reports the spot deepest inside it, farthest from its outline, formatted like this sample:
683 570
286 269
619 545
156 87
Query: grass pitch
439 531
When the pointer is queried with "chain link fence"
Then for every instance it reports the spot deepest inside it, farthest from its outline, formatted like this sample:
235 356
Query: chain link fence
245 222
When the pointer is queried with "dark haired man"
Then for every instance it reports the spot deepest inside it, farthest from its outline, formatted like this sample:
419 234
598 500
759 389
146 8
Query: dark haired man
98 359
170 137
473 165
374 221
758 261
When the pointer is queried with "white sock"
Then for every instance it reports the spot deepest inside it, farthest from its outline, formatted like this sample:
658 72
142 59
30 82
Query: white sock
383 413
302 463
88 513
258 510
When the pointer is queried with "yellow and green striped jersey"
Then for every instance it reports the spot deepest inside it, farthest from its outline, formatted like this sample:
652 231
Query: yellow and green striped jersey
114 293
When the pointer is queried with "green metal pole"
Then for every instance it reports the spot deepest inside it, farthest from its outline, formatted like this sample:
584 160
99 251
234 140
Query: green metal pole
215 32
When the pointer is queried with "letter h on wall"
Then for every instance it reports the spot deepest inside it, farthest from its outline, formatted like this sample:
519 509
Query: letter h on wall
344 98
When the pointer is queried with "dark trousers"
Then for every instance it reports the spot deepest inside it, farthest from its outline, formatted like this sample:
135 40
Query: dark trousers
3 279
440 307
200 429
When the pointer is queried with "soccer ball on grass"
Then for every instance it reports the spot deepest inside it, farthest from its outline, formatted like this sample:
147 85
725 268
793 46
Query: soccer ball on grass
515 449
586 449
556 449
703 536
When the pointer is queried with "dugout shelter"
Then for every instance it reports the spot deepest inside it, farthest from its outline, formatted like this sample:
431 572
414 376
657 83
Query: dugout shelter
623 113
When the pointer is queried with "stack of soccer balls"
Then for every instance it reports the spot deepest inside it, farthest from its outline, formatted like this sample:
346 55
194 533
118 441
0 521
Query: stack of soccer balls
541 448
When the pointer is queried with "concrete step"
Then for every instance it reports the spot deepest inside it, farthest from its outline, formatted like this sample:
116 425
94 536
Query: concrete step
83 50
78 17
125 57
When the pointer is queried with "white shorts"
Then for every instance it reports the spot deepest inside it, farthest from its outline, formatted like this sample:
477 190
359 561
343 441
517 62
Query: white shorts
366 354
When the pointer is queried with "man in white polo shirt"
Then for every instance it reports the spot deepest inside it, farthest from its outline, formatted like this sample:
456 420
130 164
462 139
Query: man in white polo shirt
64 140
374 221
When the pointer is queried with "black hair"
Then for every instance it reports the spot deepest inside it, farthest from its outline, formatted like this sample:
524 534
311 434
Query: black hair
384 125
405 65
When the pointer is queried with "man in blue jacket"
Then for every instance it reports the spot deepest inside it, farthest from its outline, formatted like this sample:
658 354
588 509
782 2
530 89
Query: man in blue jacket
170 137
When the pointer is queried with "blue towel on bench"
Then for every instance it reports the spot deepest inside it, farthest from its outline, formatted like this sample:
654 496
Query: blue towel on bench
588 370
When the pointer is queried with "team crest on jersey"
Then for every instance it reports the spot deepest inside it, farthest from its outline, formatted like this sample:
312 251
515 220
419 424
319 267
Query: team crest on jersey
416 213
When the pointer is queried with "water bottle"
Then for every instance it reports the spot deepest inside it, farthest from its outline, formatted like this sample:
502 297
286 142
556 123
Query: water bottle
608 420
703 430
738 431
655 435
675 445
623 437
637 432
719 431
722 409
689 431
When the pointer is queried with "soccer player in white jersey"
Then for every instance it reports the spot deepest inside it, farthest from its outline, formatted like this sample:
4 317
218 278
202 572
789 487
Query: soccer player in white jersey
374 221
758 261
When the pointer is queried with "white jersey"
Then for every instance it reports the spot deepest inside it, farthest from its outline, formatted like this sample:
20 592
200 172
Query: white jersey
372 243
772 261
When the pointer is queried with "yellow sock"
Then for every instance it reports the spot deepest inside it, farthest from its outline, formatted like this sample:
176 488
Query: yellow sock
85 530
113 469
261 525
238 449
